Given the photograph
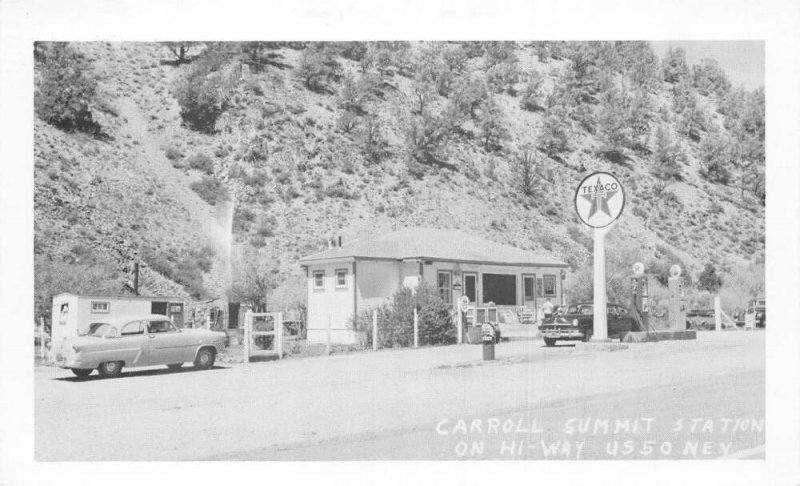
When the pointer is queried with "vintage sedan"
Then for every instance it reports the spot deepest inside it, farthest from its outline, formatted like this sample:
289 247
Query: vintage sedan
139 341
575 323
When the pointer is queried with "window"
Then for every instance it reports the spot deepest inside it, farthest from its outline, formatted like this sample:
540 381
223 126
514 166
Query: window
443 283
160 326
319 280
500 289
132 328
549 283
341 278
100 306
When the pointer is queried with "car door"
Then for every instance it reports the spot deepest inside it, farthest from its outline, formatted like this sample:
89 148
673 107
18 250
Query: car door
166 344
133 344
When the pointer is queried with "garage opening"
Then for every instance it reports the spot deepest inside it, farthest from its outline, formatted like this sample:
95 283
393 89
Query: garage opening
500 289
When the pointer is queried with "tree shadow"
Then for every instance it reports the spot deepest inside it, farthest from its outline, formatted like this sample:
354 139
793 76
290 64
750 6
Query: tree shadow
617 157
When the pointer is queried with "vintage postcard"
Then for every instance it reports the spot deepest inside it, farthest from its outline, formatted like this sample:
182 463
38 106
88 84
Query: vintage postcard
286 250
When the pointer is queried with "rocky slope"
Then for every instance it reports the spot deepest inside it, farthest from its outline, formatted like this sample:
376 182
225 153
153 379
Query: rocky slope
297 179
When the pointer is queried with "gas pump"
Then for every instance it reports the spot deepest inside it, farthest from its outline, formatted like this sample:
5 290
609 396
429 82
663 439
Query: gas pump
677 311
640 304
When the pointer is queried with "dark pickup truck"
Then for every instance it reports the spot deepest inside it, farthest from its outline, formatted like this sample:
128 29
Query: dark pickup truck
756 306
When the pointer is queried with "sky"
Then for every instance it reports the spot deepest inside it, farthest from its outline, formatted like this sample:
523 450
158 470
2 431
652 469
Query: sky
743 61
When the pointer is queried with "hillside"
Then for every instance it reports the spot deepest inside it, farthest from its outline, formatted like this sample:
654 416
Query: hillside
290 145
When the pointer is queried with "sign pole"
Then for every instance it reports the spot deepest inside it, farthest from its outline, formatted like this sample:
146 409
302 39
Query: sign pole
599 201
600 324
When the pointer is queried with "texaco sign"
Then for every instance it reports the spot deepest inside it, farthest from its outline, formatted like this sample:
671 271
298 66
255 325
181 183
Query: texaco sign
599 199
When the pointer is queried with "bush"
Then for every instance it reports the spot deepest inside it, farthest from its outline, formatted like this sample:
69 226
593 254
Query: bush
211 190
396 319
340 189
203 93
202 163
318 67
709 279
555 135
65 87
174 154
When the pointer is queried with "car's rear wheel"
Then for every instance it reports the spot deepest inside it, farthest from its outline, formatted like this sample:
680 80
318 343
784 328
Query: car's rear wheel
549 342
110 369
205 359
81 373
587 336
175 366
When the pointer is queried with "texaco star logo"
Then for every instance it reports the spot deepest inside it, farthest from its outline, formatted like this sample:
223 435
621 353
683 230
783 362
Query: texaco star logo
599 199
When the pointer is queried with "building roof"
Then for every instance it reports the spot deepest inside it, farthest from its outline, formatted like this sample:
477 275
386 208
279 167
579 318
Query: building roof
114 296
434 244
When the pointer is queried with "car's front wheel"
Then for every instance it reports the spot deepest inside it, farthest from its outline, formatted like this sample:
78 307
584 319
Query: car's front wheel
110 369
204 359
81 373
549 342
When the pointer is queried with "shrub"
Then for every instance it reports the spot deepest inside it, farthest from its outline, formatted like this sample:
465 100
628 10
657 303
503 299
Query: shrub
65 87
674 66
340 189
667 157
370 139
174 154
204 92
396 319
554 137
709 279
709 77
242 219
318 67
201 162
491 122
531 97
426 135
210 190
524 169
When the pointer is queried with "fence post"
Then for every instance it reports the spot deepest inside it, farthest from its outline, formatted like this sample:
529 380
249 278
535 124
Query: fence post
717 314
328 337
279 346
460 325
248 323
41 338
375 330
416 328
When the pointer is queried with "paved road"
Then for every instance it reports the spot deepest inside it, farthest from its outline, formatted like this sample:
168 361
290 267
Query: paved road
387 405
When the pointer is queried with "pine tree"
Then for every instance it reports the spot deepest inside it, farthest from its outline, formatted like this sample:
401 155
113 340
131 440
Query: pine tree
65 88
674 66
667 157
491 121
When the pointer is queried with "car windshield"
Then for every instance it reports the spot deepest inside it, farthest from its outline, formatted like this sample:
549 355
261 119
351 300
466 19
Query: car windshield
103 330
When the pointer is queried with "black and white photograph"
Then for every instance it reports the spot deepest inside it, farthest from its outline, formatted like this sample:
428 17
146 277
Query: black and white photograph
433 250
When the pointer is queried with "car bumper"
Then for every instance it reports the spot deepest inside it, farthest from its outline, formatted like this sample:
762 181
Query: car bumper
566 334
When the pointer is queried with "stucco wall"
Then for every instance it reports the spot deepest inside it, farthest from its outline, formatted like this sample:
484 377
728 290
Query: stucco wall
331 303
377 281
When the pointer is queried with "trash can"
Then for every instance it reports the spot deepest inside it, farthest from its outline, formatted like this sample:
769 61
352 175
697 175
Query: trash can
487 334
